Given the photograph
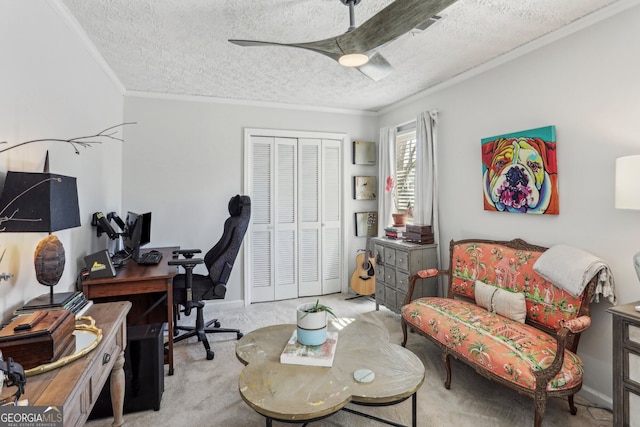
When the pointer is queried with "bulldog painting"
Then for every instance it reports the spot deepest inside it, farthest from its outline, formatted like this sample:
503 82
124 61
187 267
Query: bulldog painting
519 172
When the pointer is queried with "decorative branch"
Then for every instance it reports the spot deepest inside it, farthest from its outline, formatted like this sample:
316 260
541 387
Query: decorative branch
80 141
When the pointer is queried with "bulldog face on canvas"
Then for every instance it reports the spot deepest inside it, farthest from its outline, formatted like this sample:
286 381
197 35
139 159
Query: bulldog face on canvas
516 177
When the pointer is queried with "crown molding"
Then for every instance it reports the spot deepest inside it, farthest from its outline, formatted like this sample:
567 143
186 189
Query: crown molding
248 103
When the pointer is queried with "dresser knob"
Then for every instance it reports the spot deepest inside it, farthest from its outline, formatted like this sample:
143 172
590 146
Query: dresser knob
106 358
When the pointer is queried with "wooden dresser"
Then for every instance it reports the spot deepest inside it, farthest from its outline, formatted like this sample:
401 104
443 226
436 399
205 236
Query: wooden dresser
396 260
626 365
76 386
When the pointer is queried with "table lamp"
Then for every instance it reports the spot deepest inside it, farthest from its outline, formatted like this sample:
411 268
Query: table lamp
627 190
42 202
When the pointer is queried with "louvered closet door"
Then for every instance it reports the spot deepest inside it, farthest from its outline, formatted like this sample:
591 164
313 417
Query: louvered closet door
273 236
331 216
309 156
320 234
294 246
286 234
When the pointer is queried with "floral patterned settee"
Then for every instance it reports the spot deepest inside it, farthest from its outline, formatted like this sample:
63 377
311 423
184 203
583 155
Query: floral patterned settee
538 357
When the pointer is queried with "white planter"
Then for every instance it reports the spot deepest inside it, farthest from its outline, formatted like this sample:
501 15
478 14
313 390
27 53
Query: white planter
312 327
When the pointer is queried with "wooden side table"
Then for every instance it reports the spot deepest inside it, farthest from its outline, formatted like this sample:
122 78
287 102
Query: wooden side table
75 387
626 364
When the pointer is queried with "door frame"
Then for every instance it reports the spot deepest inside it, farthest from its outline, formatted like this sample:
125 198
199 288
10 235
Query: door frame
283 133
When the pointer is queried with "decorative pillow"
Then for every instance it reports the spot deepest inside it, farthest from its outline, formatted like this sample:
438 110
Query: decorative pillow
497 300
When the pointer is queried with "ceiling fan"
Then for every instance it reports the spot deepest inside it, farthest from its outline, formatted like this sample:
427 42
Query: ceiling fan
358 47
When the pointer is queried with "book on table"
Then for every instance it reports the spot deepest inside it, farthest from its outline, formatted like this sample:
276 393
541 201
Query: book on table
295 353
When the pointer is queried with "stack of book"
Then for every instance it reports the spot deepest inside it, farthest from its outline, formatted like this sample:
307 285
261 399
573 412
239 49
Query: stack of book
295 353
422 234
75 302
394 232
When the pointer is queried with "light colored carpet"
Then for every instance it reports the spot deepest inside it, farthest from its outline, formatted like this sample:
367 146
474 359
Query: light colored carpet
205 392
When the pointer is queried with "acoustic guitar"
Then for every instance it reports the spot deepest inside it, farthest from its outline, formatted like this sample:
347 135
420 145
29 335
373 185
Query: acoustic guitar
363 281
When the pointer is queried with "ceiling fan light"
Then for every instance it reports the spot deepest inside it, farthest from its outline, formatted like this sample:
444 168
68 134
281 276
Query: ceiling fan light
353 59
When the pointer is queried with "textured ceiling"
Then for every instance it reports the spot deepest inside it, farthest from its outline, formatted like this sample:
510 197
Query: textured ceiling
180 47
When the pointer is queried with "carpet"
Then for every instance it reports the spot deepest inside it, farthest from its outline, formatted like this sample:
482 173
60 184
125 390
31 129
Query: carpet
205 392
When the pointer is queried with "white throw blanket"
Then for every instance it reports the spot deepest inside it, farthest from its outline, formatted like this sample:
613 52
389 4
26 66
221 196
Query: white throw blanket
571 269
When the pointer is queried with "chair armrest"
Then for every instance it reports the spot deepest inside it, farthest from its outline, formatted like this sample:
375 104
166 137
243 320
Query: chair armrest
186 262
431 272
577 325
187 253
574 326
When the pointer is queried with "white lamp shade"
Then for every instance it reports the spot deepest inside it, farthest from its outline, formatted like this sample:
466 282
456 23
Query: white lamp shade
627 182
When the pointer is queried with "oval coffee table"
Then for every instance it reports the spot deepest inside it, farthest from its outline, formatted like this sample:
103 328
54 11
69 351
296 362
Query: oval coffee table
295 393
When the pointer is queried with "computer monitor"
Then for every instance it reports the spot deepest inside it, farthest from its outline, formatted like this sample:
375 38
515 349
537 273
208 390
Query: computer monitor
137 233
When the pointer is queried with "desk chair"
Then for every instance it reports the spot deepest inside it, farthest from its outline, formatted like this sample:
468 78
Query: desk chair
191 290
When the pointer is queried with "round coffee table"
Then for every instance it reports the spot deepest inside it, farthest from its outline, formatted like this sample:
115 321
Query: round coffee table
295 393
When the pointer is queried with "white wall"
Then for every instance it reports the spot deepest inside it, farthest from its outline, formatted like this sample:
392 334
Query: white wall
51 86
586 85
193 151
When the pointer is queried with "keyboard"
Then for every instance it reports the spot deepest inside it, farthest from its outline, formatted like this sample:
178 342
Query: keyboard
148 258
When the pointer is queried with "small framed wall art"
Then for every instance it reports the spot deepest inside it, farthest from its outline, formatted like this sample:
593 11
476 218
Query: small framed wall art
366 223
364 187
364 153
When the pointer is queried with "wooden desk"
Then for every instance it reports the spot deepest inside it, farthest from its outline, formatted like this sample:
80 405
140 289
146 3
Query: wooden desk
76 386
132 281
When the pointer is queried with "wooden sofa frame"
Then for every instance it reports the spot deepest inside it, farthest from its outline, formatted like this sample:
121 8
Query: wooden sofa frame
567 337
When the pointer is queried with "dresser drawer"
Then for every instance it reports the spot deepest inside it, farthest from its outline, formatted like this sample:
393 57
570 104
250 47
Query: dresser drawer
389 256
402 281
380 292
402 260
380 273
389 276
390 298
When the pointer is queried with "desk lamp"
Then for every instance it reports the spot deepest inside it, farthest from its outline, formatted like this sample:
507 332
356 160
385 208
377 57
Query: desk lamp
627 195
42 202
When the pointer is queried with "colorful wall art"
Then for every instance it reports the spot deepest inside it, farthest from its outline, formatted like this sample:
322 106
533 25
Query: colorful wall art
519 172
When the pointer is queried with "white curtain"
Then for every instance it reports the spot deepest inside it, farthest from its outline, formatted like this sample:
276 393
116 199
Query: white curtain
386 168
426 190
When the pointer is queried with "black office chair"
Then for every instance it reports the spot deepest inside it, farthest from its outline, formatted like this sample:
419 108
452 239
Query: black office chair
191 290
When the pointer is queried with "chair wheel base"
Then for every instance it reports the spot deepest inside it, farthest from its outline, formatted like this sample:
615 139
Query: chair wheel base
210 355
239 335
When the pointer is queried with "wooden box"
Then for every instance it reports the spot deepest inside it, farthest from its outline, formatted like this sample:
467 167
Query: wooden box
421 230
38 338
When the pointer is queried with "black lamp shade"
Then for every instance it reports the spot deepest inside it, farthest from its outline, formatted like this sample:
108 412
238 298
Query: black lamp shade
38 202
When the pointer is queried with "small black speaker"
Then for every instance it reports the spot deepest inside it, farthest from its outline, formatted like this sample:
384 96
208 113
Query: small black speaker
144 373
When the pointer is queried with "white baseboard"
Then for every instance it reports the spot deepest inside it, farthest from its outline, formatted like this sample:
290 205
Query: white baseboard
224 304
596 397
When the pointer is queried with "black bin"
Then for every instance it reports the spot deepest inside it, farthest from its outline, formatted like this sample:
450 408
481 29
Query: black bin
143 370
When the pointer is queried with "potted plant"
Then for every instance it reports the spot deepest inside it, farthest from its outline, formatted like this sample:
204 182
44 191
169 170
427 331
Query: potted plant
400 215
312 323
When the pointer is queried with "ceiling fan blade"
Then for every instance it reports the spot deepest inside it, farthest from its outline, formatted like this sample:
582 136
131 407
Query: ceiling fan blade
327 47
377 68
393 21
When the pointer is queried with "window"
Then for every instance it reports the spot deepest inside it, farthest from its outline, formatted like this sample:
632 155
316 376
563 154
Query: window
405 181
